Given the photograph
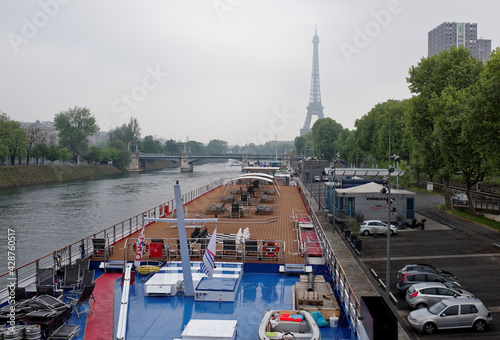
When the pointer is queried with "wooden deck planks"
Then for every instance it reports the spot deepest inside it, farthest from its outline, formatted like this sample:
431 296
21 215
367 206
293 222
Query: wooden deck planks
274 226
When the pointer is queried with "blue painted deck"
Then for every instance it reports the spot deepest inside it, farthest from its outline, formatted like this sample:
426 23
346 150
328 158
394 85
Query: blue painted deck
160 317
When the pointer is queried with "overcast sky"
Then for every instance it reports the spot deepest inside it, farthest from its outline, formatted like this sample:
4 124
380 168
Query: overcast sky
237 70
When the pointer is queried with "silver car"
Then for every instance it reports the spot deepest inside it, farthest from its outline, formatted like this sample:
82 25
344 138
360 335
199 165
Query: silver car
422 295
451 313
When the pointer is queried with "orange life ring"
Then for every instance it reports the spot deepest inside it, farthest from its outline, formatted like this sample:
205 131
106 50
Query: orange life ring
145 249
271 248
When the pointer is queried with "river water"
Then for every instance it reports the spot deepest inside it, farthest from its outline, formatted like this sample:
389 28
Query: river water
48 217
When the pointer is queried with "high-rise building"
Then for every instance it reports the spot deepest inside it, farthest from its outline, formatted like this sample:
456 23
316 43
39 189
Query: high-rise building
457 34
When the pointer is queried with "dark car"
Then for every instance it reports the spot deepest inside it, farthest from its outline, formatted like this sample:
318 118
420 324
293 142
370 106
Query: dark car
459 199
409 278
424 267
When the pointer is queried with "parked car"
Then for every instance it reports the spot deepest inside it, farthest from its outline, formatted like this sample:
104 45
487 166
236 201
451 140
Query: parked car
423 267
451 313
325 178
422 295
374 226
317 178
409 278
460 199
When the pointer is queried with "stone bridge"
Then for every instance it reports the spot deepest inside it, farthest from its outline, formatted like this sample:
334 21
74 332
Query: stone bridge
187 159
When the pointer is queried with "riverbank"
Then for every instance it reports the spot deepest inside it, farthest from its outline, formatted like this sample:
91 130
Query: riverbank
41 174
18 175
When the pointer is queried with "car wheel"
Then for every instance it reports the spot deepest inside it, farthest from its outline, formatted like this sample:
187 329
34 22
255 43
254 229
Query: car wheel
429 328
392 232
366 233
421 305
479 325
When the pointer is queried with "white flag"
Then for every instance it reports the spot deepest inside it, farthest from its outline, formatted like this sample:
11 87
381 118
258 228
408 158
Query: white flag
208 264
139 249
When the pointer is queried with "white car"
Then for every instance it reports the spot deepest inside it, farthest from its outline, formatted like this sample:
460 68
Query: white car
376 227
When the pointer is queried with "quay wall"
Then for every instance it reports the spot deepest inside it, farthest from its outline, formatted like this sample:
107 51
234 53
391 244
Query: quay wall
42 174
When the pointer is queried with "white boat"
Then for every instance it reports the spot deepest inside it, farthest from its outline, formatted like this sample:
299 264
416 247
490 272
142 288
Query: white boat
291 324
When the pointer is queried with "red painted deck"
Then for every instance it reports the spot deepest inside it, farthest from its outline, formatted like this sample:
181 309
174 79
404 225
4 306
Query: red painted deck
100 324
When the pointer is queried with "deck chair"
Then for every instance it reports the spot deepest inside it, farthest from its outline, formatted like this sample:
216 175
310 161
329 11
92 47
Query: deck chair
71 276
84 265
65 332
251 247
83 299
230 246
45 290
235 210
20 293
45 276
88 278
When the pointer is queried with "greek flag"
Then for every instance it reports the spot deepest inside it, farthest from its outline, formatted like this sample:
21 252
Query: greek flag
208 264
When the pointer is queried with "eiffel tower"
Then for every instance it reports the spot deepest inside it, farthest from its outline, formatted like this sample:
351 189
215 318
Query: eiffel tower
314 108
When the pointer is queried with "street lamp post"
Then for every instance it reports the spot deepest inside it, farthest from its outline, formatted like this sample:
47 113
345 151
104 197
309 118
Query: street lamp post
320 183
311 172
390 169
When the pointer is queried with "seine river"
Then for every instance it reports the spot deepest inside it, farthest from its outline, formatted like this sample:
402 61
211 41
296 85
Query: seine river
49 217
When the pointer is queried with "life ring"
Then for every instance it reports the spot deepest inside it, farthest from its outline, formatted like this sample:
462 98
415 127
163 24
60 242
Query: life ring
145 249
271 248
148 269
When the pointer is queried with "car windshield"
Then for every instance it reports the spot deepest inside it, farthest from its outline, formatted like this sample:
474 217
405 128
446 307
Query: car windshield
437 308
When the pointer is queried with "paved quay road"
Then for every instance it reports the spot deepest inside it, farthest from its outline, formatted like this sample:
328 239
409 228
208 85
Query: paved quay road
448 242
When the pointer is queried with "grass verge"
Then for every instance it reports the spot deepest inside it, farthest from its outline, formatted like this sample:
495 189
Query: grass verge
481 219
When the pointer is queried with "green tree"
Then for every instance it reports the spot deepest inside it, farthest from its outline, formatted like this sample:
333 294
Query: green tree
195 147
216 146
34 136
63 154
95 154
40 151
325 133
75 126
12 139
483 119
171 146
451 68
127 132
457 150
151 145
118 152
300 143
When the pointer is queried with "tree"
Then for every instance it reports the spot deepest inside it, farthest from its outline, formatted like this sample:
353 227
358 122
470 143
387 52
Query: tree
216 146
484 113
455 68
12 139
95 154
151 145
40 151
127 132
457 150
325 133
119 154
75 126
300 143
34 136
171 146
195 147
63 154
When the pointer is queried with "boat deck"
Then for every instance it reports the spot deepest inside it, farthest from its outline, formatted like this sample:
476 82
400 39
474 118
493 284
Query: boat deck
275 225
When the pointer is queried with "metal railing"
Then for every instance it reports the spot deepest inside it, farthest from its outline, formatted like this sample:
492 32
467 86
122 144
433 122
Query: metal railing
26 275
347 295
